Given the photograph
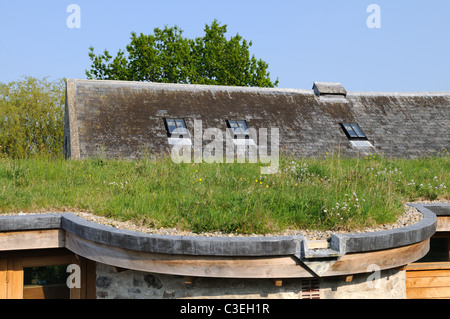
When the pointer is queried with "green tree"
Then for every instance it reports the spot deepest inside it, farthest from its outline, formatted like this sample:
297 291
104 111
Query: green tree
168 57
31 117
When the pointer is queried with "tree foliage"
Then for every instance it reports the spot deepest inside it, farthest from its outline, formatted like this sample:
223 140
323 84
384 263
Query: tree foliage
31 118
168 57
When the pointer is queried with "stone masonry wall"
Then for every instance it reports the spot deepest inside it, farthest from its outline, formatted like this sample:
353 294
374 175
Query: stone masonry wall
140 285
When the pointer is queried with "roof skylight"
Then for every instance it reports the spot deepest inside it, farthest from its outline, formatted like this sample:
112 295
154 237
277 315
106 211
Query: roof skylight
353 131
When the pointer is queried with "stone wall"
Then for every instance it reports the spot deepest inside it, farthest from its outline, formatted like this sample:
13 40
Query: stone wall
391 284
140 285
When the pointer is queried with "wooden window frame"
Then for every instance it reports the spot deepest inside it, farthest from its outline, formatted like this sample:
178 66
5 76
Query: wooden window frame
244 134
429 280
12 266
176 135
434 264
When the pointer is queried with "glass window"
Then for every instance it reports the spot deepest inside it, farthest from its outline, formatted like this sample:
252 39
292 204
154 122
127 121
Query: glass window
181 127
439 251
180 124
176 127
46 282
171 126
239 129
358 130
349 130
235 127
243 126
353 131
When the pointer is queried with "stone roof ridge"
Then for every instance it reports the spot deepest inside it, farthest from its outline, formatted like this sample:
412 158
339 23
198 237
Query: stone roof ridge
332 87
191 87
405 94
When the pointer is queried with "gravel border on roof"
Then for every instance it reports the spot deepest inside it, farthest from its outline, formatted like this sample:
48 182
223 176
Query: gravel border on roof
410 217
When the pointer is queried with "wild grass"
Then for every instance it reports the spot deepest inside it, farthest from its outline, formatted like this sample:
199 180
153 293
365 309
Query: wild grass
330 193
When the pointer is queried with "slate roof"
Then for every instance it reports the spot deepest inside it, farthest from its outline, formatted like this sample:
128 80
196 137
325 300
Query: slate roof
125 119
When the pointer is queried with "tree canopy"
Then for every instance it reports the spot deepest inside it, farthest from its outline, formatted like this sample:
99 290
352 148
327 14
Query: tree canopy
168 57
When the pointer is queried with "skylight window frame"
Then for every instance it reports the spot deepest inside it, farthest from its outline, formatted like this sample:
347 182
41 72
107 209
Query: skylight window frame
244 133
359 133
171 133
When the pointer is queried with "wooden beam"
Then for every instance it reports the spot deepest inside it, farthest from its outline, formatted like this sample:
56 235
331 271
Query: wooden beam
239 267
24 240
386 259
318 244
188 266
428 281
443 223
428 293
428 266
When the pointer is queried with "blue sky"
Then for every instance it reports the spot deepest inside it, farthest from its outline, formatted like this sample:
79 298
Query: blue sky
303 41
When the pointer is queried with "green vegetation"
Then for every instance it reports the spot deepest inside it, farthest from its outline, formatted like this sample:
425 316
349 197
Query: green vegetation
32 118
167 56
331 193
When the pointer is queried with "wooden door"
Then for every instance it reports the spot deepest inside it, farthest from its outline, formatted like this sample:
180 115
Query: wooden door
3 278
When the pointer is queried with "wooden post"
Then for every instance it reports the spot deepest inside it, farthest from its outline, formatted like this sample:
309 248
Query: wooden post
3 278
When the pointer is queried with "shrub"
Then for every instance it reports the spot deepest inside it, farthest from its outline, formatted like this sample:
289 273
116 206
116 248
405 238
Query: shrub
32 118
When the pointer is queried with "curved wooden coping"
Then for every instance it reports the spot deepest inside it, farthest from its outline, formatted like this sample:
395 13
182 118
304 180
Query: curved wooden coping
442 212
241 267
235 257
287 266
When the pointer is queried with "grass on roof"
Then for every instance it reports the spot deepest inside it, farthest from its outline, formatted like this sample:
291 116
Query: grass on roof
331 193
